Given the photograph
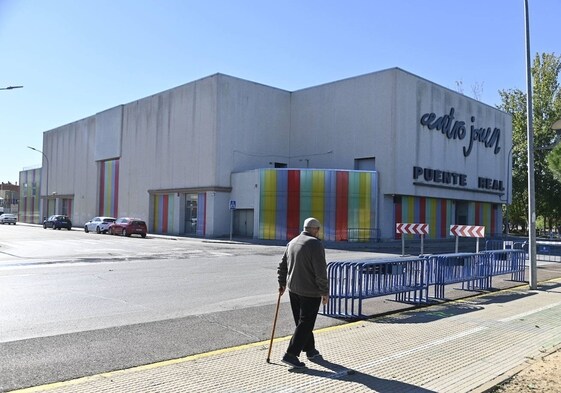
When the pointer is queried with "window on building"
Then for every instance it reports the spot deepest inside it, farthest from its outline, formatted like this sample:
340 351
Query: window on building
365 164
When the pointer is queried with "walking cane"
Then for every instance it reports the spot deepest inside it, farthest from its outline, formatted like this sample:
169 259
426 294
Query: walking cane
274 326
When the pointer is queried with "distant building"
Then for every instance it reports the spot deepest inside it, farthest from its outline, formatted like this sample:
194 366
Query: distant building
359 154
9 197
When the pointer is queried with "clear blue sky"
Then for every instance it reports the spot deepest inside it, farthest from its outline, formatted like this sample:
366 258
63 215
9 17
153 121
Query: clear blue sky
78 57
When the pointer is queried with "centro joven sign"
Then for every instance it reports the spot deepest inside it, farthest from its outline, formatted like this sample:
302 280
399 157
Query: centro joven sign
456 129
452 128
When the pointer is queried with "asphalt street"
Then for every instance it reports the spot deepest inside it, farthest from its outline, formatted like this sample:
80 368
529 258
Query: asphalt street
76 304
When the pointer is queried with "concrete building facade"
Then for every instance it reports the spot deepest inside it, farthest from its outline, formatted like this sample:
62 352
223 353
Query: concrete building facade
223 154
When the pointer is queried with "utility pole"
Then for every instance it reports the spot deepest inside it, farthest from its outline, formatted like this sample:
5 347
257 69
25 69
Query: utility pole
530 138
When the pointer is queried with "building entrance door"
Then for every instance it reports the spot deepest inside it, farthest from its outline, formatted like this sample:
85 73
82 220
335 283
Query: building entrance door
243 223
190 214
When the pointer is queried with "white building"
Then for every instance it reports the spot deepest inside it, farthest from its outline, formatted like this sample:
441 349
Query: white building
360 154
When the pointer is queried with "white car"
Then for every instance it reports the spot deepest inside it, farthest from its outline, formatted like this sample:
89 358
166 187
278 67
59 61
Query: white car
8 218
99 224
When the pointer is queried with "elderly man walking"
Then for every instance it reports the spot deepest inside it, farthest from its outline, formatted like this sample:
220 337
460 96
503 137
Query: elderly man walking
303 271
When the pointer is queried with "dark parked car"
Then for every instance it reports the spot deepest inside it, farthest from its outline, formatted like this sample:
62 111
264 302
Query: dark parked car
57 221
126 226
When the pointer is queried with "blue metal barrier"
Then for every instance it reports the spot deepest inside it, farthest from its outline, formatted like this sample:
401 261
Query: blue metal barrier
511 261
492 244
409 279
547 251
466 268
352 282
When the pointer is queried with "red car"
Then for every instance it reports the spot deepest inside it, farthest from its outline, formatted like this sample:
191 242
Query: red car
126 226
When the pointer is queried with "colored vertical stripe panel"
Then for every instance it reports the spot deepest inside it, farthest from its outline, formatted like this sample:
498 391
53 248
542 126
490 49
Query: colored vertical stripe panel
165 211
201 214
115 199
30 196
343 201
494 220
329 205
342 206
364 195
163 214
109 188
102 188
398 213
305 195
374 205
422 210
281 205
318 198
437 213
354 203
293 204
365 205
445 215
267 204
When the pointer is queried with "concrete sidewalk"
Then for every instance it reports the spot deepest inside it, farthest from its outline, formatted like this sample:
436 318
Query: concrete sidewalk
462 346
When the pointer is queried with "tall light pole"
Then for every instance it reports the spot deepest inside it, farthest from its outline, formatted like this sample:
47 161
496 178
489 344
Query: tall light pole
46 209
530 138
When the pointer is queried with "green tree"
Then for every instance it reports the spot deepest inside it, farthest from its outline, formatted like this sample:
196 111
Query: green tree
546 69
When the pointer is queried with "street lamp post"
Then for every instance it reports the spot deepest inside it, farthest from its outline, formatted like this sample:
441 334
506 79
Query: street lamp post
46 209
10 87
508 176
530 137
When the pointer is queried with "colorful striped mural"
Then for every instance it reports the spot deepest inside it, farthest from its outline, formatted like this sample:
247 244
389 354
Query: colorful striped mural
166 217
163 213
345 202
109 188
440 214
487 214
201 214
30 196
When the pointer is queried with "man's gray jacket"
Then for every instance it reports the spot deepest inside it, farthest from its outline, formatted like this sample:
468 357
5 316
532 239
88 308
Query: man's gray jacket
303 269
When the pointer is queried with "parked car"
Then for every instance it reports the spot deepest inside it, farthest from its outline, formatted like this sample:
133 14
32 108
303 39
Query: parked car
126 226
98 224
57 221
8 218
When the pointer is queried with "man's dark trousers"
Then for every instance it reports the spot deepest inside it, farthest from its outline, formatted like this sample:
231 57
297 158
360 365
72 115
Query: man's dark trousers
305 310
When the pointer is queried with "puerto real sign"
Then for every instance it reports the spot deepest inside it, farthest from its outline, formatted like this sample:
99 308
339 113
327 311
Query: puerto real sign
453 128
450 179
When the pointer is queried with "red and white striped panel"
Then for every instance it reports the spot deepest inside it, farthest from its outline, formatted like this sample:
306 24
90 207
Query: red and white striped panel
412 229
467 230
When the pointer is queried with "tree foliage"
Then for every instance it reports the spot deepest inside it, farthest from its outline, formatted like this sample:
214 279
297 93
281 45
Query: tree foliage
546 102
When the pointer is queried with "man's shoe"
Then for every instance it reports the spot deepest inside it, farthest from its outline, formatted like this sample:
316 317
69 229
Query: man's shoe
292 361
313 354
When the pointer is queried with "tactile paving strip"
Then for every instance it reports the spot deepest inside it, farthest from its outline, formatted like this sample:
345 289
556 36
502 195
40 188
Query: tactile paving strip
454 347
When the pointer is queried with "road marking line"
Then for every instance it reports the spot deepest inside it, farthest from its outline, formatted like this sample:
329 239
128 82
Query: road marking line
525 314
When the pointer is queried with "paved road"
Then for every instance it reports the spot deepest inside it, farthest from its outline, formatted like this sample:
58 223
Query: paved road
76 304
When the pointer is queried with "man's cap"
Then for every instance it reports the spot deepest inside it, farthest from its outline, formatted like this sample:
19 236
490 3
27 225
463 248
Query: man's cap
311 223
